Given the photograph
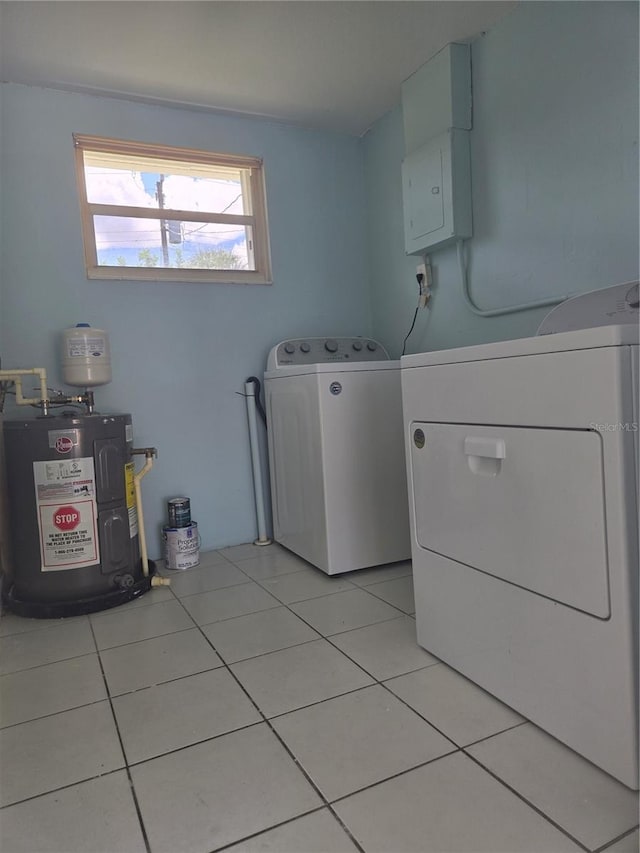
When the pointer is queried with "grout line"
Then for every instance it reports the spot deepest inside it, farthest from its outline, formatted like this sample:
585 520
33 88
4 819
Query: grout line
195 743
272 652
368 625
54 714
525 800
523 722
613 841
207 591
146 639
124 756
261 831
166 681
295 760
396 775
48 663
62 788
154 637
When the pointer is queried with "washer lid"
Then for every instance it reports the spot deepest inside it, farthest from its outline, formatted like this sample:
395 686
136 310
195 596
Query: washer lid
361 367
608 306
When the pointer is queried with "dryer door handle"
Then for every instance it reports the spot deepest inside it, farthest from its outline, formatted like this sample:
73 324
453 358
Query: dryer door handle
484 454
490 448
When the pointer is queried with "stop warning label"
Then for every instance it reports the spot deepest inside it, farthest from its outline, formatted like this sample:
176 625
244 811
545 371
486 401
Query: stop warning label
67 514
66 518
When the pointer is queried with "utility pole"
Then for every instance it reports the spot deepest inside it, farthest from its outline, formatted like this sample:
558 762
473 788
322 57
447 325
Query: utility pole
163 223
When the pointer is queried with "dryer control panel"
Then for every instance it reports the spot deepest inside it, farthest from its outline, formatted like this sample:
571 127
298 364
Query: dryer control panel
609 306
325 350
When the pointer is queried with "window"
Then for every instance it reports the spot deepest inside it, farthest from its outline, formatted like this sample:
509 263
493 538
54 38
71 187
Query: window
171 214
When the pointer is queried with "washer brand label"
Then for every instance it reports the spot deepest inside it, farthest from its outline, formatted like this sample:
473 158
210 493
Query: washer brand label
63 441
335 388
67 513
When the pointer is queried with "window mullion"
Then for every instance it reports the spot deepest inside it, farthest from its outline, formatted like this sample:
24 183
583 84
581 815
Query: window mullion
168 213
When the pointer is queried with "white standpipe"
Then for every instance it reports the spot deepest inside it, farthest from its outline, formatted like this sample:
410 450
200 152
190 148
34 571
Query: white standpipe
16 376
250 397
149 453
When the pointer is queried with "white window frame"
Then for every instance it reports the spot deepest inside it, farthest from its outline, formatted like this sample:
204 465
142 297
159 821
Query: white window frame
257 219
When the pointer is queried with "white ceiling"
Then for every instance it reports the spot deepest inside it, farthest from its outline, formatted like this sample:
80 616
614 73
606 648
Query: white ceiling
318 63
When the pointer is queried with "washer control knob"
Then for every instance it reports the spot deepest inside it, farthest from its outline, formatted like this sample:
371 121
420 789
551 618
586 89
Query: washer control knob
331 345
372 346
305 347
357 345
289 349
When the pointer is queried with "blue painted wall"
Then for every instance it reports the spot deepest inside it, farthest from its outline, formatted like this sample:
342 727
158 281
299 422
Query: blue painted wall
180 352
554 172
555 195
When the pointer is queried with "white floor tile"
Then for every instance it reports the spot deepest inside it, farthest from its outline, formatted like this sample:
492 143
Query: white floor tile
156 660
120 627
289 679
247 551
377 574
12 624
588 803
300 586
211 558
344 611
318 832
50 689
97 816
36 648
386 648
206 578
258 634
180 713
460 709
353 741
269 564
448 806
398 592
39 756
155 595
226 603
218 792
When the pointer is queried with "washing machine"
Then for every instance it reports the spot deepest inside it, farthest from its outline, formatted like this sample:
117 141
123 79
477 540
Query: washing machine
522 461
336 453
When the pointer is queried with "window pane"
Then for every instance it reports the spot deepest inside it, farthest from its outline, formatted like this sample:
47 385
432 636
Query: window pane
136 242
220 192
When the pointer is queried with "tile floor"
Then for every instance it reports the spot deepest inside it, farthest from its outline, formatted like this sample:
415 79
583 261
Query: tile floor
259 705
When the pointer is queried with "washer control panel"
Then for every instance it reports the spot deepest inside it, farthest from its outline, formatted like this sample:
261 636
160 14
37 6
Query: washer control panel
323 350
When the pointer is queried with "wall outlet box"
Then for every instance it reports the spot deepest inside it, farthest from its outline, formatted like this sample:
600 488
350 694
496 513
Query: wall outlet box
436 193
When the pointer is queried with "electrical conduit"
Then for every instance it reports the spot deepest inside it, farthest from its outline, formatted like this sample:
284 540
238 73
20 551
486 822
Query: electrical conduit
496 312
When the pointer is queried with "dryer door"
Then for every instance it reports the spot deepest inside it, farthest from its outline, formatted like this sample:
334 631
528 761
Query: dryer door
524 505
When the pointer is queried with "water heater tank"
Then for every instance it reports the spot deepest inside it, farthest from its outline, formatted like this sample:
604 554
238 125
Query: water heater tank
72 515
86 356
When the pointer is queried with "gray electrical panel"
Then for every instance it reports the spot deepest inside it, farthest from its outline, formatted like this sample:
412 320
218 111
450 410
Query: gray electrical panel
436 171
436 193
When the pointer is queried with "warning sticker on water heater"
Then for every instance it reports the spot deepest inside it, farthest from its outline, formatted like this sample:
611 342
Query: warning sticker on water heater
67 513
130 491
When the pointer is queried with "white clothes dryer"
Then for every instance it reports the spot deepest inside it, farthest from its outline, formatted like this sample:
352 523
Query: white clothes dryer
336 453
523 490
